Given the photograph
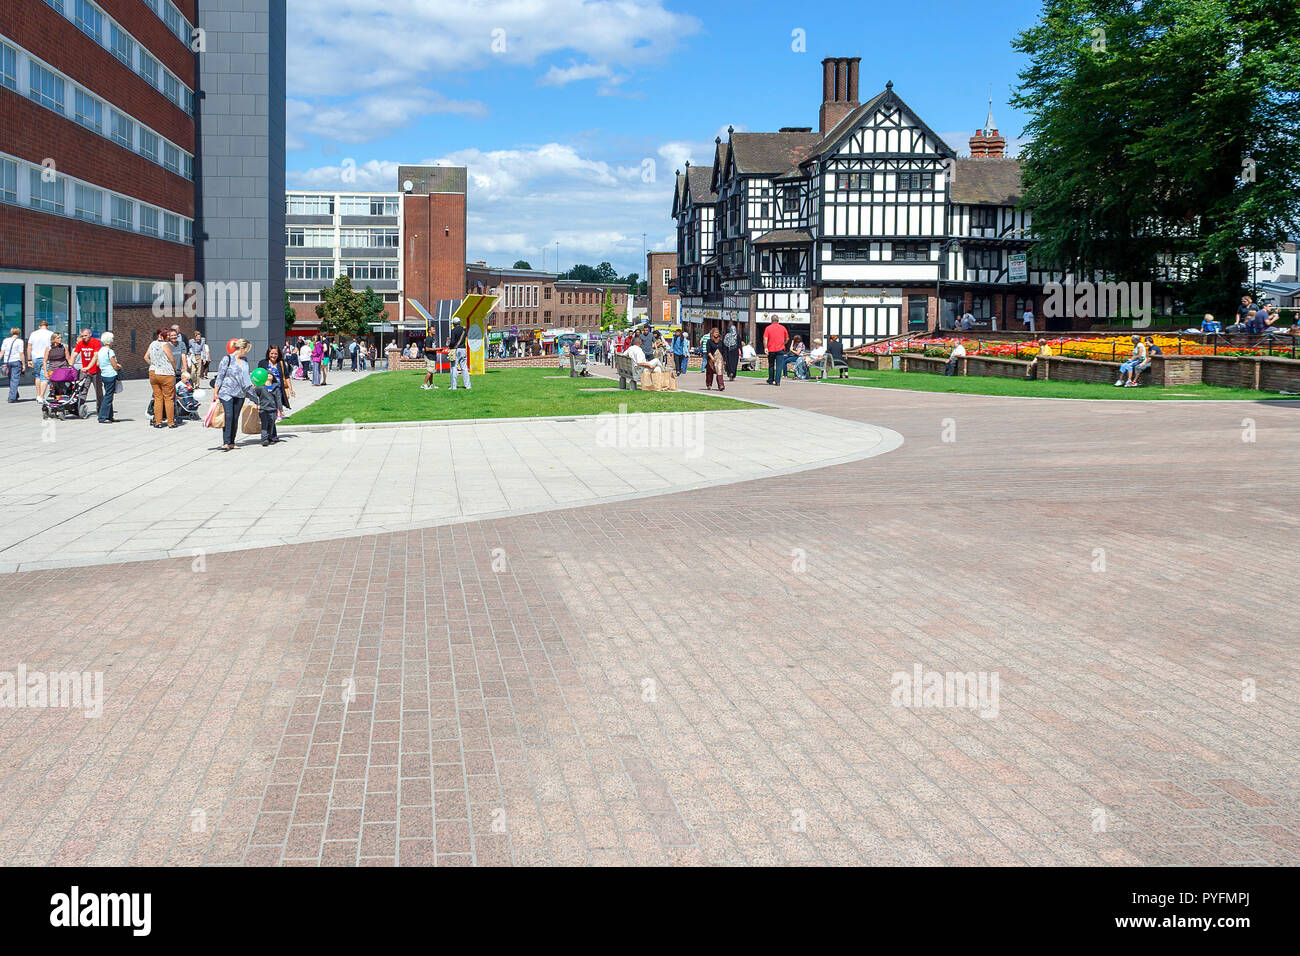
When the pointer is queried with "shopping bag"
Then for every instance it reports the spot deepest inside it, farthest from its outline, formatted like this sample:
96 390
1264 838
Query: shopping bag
117 386
216 416
250 422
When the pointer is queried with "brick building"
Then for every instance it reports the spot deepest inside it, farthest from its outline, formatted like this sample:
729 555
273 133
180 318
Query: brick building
408 243
118 172
661 281
535 303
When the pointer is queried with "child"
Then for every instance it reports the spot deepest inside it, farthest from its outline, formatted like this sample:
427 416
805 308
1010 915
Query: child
185 400
266 408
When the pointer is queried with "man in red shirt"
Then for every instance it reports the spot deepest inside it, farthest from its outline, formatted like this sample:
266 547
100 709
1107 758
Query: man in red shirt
86 350
774 338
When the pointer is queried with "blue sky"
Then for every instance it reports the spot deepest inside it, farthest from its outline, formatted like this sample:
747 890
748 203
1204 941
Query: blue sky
572 116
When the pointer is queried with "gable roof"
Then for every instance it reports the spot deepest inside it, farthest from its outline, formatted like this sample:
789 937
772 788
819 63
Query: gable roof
699 184
842 130
771 153
986 182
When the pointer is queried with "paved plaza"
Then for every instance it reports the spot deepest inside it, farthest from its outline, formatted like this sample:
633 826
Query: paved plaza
704 676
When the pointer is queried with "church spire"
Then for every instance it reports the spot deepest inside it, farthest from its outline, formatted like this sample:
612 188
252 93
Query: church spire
990 127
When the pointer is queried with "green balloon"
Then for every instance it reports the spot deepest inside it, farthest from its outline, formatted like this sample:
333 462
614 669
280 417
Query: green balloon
259 376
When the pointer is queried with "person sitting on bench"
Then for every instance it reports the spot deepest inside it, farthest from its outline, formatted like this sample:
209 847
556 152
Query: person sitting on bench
956 355
639 361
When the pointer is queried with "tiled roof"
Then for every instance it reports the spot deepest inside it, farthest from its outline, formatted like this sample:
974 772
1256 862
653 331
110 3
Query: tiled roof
986 181
771 153
783 236
699 181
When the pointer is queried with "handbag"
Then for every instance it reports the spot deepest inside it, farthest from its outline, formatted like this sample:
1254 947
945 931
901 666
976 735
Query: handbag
118 388
216 415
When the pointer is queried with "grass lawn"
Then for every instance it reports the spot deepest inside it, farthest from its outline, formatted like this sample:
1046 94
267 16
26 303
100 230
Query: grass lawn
981 385
504 393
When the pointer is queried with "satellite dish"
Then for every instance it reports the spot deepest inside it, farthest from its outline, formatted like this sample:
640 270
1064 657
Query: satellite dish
408 186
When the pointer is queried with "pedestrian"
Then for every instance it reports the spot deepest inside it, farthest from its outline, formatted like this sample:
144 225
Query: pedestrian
162 378
207 360
457 345
108 371
374 356
715 364
280 382
13 358
317 354
37 343
1029 316
354 348
431 350
233 387
774 338
181 349
196 354
679 351
85 351
731 351
267 409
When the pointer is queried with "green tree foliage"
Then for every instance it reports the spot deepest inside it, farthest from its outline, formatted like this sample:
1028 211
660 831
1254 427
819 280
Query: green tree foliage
289 317
372 309
522 264
1159 126
341 310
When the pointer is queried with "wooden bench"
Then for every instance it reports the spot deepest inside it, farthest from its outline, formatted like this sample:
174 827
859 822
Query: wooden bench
627 371
577 365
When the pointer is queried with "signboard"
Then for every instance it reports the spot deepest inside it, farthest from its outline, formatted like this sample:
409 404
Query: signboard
667 311
473 314
1019 267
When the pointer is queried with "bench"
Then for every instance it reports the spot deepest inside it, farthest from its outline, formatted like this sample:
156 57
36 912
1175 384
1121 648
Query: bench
830 363
627 371
577 365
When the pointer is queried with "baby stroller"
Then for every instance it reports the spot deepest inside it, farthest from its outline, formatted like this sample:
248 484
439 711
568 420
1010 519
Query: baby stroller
185 408
67 394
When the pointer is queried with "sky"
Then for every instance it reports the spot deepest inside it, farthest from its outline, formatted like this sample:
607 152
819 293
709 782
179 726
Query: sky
573 115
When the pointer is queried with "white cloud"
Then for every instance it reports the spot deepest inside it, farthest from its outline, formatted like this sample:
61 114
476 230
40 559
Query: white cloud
364 67
522 200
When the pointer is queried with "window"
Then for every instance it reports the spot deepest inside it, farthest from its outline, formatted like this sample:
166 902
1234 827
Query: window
89 203
148 145
857 181
981 306
46 88
309 236
320 269
47 190
668 276
546 292
122 45
983 259
171 88
911 252
171 226
149 69
915 182
172 157
368 205
8 66
89 20
790 199
122 129
172 17
56 4
363 270
369 238
310 205
8 181
982 218
89 112
148 221
850 251
123 213
189 231
189 166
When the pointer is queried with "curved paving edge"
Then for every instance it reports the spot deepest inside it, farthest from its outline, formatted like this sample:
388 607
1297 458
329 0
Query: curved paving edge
369 463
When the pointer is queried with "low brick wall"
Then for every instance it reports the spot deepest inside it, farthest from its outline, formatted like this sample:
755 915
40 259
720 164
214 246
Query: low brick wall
1176 370
1278 374
1268 374
1056 369
996 367
869 362
910 362
1227 372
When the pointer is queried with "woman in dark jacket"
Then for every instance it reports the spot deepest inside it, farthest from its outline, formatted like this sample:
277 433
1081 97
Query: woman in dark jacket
731 351
278 368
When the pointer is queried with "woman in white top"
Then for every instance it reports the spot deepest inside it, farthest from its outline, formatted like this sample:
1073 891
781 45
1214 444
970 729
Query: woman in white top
162 378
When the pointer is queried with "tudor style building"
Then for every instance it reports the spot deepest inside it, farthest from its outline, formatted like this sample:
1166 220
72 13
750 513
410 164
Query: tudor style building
866 228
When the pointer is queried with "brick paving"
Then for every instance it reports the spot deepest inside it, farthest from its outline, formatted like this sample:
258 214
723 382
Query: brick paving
706 678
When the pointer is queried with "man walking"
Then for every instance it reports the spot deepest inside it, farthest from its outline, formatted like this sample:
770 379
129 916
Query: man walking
679 352
430 362
1029 317
456 343
13 358
86 350
354 349
774 338
36 347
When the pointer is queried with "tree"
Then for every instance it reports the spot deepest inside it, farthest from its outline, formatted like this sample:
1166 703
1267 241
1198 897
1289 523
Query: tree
522 264
612 316
372 310
341 311
605 273
289 317
1162 126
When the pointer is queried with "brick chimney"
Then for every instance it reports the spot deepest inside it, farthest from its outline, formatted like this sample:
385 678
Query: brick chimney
839 90
987 143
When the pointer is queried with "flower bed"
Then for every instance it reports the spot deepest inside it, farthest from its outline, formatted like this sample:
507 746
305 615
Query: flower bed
1113 348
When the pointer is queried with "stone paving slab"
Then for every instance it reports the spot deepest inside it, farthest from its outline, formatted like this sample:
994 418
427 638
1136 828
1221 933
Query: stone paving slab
712 677
78 493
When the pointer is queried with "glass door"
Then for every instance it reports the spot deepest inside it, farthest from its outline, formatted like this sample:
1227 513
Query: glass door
11 310
53 303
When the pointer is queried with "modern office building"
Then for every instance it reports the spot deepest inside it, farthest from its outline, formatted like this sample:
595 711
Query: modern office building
132 131
407 243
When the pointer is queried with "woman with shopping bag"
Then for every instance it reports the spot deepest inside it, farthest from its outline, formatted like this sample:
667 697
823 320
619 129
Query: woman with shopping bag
233 386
